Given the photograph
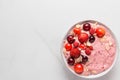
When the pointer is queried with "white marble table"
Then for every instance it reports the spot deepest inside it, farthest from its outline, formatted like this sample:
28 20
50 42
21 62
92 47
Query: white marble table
31 32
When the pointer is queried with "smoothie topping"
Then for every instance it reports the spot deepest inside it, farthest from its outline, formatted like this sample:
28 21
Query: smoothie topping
83 37
90 47
100 32
77 31
70 39
71 61
78 68
68 47
92 31
76 44
78 60
75 53
91 39
84 58
86 26
82 46
88 51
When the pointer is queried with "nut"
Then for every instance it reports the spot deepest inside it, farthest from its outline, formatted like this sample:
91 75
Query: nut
88 44
78 59
107 47
110 43
77 26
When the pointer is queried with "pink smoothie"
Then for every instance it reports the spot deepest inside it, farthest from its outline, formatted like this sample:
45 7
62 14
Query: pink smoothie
102 55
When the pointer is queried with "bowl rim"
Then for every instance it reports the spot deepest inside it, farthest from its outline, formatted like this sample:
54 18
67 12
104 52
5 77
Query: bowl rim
102 73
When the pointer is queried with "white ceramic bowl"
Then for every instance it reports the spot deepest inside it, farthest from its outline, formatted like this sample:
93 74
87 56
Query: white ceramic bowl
97 75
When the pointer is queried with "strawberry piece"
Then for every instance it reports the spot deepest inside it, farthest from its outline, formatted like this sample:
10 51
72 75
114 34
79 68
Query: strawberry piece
92 31
75 44
75 53
90 47
88 51
77 30
82 46
83 37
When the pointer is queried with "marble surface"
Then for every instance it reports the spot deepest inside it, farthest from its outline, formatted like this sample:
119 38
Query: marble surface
31 32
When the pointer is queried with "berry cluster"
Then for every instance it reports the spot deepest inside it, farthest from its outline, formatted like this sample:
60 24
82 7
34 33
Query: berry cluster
77 42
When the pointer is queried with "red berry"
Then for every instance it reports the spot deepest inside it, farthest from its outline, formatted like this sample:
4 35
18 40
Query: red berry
86 26
77 31
78 68
84 58
70 39
75 53
68 47
92 31
75 44
100 32
88 51
90 47
82 46
91 39
70 61
83 37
